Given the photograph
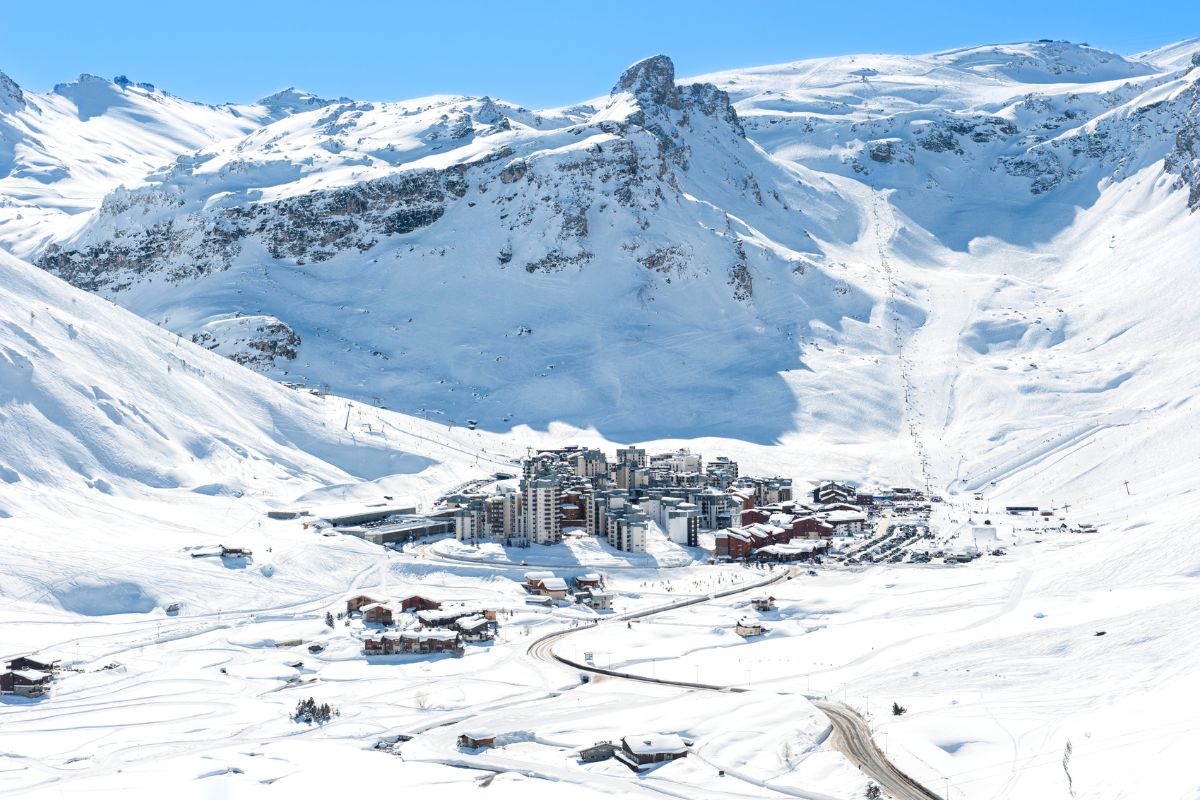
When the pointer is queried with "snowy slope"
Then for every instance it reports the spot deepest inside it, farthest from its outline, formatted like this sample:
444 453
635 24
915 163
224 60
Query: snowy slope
92 398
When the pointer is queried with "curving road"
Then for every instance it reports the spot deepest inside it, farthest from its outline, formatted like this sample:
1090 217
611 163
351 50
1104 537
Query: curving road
852 738
851 735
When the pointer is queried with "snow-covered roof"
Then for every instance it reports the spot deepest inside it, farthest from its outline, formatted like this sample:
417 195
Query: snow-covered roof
648 744
589 576
427 635
844 516
31 674
472 623
538 575
554 584
791 548
478 734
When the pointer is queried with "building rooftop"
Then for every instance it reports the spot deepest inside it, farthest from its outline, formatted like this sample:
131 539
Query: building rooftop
648 744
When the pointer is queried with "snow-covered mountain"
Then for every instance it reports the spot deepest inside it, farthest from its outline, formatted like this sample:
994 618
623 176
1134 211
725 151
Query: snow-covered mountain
855 249
63 151
486 262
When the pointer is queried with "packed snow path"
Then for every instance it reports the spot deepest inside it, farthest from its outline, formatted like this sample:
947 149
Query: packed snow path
851 735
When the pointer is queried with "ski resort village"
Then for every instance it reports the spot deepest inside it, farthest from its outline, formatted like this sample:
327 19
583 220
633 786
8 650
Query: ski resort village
825 429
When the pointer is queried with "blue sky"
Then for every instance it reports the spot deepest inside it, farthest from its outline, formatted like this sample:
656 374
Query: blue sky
535 53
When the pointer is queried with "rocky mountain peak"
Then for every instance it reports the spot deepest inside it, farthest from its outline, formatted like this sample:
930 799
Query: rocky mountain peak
489 113
11 95
651 81
293 101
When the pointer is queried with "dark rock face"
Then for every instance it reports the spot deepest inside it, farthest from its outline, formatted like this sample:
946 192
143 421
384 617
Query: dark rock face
888 151
1184 158
1042 167
712 102
311 227
651 81
260 347
11 96
940 140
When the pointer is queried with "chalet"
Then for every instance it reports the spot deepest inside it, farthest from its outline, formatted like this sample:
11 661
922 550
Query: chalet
589 580
763 603
810 528
638 752
748 628
538 600
25 682
423 642
555 588
416 602
600 751
795 550
357 602
763 534
235 552
476 629
732 543
448 616
29 662
845 523
601 601
834 492
755 515
533 580
379 614
839 507
476 739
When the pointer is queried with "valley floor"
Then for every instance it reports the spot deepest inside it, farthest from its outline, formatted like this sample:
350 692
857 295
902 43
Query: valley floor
998 663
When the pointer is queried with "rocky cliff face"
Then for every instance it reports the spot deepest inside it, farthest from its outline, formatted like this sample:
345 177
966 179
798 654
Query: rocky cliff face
1184 158
633 154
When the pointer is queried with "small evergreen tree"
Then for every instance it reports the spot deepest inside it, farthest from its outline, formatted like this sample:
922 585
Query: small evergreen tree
329 619
898 709
873 791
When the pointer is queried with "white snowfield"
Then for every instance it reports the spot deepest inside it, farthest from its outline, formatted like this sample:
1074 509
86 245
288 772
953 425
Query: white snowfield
972 271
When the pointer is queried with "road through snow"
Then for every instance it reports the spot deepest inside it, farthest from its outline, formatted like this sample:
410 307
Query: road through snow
851 735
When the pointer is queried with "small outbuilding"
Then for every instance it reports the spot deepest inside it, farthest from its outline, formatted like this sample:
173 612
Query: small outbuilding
748 628
763 603
600 751
476 739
